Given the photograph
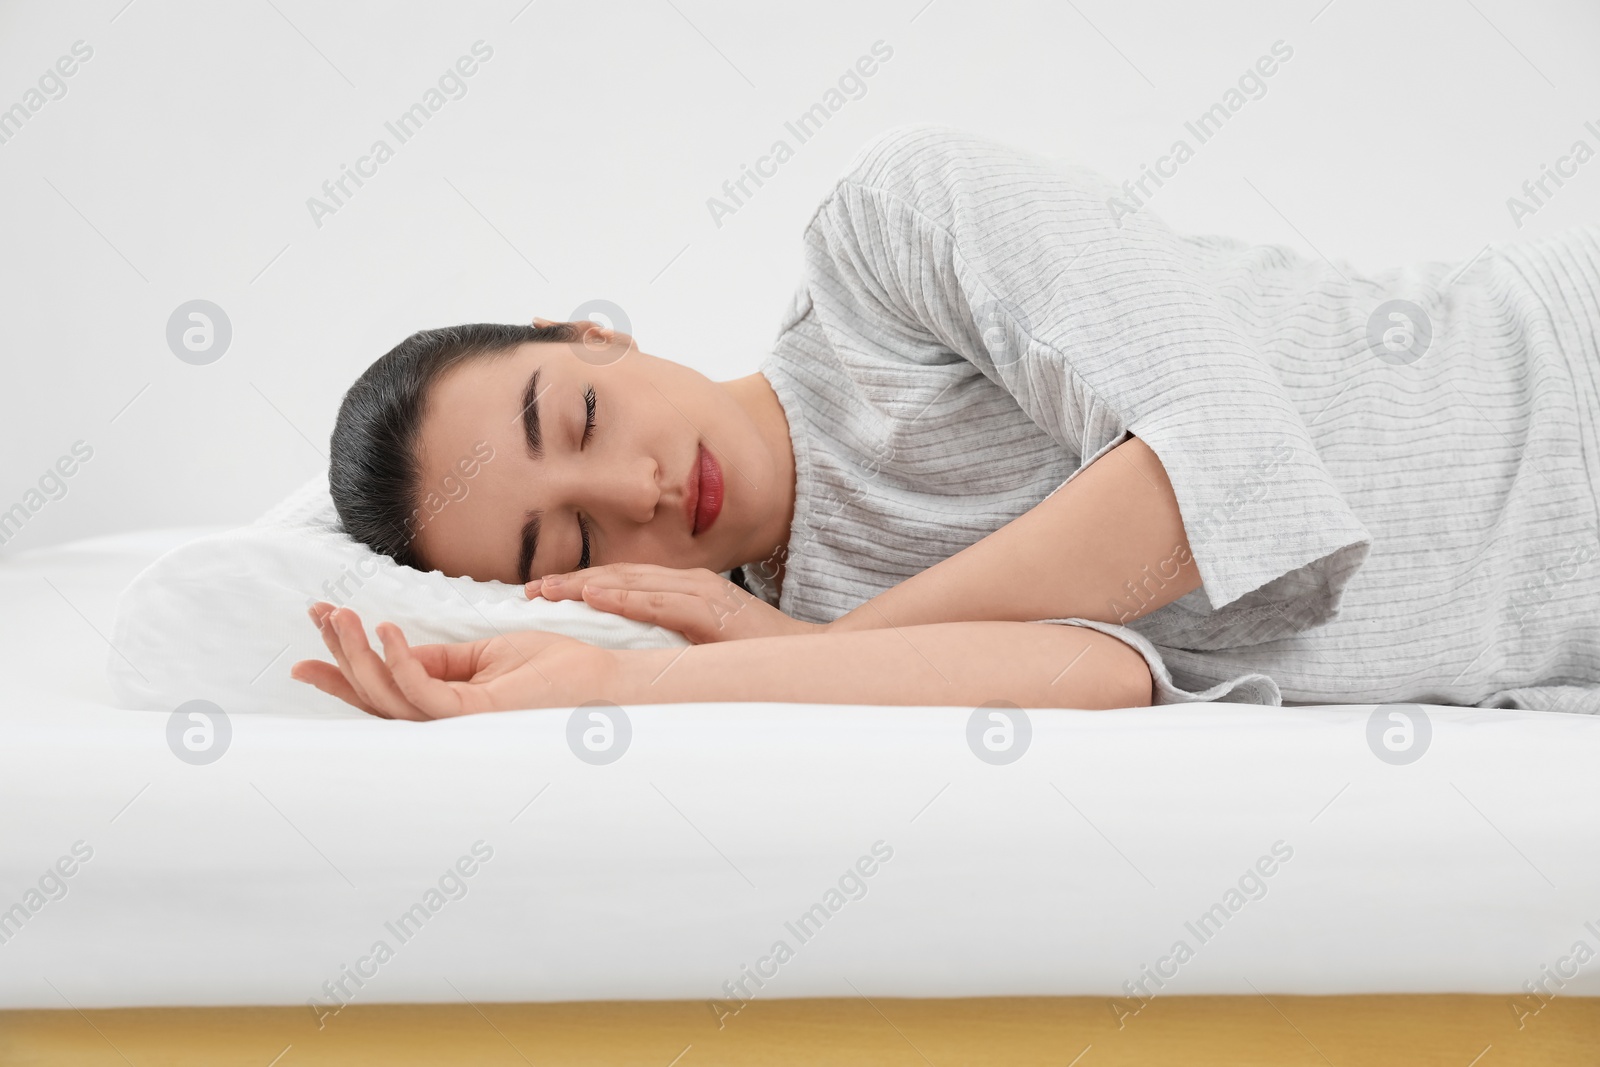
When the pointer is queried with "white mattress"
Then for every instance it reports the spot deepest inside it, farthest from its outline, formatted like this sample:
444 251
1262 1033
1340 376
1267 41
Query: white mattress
256 879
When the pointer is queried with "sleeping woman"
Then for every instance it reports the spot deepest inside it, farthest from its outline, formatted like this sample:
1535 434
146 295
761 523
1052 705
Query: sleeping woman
1016 440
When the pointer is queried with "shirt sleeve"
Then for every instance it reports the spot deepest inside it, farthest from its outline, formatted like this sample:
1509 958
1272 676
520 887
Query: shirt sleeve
940 245
1245 687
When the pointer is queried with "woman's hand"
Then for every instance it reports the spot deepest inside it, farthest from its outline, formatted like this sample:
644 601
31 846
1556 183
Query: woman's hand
527 669
700 604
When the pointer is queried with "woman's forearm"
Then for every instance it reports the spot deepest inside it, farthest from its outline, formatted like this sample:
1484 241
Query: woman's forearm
1109 545
959 663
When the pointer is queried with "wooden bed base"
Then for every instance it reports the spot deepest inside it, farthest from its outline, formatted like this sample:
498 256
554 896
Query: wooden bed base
1454 1030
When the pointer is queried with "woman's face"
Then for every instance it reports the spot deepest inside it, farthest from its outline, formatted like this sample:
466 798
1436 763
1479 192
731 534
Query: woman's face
488 499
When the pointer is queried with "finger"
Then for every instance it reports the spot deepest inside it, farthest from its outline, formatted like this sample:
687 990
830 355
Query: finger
688 613
720 596
430 694
372 674
330 638
331 680
643 576
613 568
569 585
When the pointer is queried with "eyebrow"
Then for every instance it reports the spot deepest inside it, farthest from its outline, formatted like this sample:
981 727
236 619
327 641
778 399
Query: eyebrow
531 433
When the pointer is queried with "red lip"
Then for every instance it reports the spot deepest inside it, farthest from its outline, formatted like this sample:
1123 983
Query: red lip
691 493
705 492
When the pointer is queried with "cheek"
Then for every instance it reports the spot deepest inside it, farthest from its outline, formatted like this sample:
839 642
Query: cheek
645 546
686 387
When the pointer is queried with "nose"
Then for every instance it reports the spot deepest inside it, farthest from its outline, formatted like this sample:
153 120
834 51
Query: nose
628 489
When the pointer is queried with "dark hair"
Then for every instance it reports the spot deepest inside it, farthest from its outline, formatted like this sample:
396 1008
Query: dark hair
373 470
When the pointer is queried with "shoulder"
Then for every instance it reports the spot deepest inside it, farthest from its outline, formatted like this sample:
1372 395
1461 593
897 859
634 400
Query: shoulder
949 174
909 163
896 145
901 156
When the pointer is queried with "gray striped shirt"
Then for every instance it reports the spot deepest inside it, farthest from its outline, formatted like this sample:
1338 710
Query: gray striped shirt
1388 481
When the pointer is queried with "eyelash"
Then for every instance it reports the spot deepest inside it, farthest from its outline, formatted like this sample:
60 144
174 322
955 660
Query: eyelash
589 405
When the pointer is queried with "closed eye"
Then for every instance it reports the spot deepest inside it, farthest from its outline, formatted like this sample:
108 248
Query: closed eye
589 405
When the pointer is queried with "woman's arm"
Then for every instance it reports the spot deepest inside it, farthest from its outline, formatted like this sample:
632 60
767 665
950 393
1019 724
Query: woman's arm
968 663
945 663
1108 545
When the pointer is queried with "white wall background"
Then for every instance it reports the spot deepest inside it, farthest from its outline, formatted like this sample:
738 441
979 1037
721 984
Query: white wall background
578 165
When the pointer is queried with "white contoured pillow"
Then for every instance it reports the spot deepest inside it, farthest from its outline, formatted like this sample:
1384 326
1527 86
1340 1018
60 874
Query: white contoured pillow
223 617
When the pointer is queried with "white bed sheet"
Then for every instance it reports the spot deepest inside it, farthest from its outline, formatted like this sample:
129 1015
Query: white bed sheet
666 874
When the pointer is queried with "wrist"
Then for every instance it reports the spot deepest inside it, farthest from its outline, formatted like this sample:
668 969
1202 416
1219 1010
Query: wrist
631 672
